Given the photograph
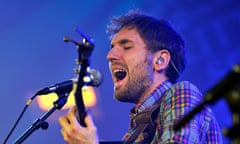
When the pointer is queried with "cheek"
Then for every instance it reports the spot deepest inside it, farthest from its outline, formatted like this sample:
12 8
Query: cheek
146 66
131 64
139 67
137 60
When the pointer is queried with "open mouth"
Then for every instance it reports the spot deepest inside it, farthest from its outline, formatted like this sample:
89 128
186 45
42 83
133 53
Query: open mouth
119 74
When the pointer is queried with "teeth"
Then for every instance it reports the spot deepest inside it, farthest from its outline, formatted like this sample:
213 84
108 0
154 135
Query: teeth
118 70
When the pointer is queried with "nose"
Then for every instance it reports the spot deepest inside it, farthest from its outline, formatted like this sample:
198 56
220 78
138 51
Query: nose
112 54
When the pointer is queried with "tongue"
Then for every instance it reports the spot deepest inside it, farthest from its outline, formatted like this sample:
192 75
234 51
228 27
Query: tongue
120 75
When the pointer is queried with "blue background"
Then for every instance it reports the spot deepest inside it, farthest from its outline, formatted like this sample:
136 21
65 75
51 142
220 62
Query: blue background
33 55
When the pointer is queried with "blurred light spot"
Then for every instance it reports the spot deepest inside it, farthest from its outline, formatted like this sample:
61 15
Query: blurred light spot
45 102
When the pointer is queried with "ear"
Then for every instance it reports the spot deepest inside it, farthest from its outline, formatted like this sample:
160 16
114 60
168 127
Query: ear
161 60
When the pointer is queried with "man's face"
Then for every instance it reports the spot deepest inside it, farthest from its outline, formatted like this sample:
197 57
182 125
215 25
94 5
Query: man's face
130 65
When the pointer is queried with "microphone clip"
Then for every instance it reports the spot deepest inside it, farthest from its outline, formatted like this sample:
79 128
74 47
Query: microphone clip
85 46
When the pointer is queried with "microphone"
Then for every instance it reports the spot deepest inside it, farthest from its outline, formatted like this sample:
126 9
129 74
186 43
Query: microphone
63 87
93 78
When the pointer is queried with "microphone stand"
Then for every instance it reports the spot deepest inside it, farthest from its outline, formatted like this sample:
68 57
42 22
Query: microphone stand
229 87
233 100
40 122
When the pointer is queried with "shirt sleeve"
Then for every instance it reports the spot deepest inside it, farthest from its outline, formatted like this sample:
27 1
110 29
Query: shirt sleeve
177 102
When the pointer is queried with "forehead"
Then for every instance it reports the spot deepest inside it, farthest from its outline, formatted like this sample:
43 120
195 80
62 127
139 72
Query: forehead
128 34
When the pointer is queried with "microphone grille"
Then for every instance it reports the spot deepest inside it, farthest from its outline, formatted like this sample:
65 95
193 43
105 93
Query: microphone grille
97 77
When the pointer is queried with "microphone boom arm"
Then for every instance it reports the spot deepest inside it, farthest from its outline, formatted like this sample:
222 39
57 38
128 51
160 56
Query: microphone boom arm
40 122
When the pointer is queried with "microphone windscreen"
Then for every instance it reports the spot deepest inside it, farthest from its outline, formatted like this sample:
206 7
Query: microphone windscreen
97 77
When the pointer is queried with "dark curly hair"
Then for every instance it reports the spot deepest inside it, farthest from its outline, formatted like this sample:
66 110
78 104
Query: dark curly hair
157 34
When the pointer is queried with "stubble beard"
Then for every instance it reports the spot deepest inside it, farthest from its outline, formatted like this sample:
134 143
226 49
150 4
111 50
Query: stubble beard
139 82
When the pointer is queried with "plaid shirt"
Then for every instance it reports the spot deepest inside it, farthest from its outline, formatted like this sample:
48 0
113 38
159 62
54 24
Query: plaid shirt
176 101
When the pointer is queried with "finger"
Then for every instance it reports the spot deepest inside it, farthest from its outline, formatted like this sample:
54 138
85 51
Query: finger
72 111
72 117
89 122
64 135
64 122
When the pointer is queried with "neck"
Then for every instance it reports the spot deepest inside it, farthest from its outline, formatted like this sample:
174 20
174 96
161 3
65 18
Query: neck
158 79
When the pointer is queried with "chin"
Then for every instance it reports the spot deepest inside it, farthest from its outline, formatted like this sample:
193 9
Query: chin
123 98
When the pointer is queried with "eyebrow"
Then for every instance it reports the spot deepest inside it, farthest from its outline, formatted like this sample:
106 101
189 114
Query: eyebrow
122 42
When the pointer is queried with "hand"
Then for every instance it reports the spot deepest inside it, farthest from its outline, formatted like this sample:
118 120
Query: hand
74 133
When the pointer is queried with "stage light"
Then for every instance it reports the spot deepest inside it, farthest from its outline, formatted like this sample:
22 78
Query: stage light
45 102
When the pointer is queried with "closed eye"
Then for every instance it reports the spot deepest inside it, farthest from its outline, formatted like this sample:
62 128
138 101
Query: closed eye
124 43
127 48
